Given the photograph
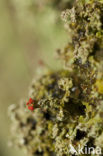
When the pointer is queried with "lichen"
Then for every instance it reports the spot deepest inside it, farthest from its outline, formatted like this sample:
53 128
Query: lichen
69 102
84 23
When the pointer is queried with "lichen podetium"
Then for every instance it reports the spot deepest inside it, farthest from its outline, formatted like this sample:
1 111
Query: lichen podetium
67 105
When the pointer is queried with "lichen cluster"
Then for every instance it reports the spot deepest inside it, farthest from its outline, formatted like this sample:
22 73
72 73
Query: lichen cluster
85 27
69 102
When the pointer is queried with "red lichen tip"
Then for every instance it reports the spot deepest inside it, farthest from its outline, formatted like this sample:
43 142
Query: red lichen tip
31 101
27 103
30 104
31 108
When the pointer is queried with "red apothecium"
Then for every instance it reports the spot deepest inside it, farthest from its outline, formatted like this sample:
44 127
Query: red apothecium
30 104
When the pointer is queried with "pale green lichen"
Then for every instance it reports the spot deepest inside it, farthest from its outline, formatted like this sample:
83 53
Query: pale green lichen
84 23
69 102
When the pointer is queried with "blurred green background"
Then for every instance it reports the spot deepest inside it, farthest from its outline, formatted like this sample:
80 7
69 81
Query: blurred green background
28 33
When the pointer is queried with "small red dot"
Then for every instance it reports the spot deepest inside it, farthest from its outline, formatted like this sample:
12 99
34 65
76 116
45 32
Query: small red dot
30 104
31 100
31 108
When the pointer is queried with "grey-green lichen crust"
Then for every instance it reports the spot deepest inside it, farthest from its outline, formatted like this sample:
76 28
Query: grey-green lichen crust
66 115
68 103
84 23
